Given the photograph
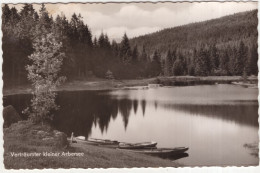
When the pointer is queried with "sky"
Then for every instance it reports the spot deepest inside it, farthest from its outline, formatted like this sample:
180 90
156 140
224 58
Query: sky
137 19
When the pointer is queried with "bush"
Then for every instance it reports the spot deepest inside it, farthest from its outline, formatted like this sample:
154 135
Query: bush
109 75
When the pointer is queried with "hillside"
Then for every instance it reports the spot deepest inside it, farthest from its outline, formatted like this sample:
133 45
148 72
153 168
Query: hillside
228 30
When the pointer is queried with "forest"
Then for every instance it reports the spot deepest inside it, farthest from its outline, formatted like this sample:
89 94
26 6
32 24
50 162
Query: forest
220 47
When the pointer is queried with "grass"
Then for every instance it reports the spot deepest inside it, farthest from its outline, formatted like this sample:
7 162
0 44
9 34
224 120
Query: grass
24 137
103 84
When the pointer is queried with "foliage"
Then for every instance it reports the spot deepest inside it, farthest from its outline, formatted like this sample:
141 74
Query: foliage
109 75
43 73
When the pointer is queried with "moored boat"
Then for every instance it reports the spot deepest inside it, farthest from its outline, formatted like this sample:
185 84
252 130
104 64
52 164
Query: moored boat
96 142
80 138
154 85
162 152
141 145
103 141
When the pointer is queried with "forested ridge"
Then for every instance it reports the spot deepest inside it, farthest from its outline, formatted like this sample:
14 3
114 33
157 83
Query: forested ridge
224 46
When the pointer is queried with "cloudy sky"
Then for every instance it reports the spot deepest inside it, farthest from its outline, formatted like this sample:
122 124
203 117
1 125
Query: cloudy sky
141 18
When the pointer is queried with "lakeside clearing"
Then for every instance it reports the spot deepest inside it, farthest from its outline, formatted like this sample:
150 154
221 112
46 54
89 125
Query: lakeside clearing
24 138
103 84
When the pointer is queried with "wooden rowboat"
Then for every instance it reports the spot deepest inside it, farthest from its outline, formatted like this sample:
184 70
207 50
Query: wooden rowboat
103 141
141 145
162 152
96 142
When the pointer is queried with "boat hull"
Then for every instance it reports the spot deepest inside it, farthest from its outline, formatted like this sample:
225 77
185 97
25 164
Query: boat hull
137 145
87 142
161 152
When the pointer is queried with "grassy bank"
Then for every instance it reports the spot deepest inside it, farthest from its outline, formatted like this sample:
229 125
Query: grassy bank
25 137
103 84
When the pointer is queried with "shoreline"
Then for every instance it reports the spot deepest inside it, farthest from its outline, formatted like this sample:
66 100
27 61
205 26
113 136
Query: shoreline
104 84
33 146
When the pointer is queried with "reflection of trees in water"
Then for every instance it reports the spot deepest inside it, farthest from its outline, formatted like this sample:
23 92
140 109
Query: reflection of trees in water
240 113
135 104
143 104
125 106
79 111
155 105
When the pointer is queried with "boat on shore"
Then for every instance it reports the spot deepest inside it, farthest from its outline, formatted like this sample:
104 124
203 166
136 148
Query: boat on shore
154 85
141 145
161 152
245 84
136 88
96 142
103 141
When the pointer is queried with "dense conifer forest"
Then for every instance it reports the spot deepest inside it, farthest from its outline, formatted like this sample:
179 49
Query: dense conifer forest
224 46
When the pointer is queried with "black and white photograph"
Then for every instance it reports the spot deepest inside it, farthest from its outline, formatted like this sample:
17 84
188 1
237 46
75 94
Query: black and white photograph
129 84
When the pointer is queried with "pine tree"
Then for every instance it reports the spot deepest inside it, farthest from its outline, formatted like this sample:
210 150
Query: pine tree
201 63
6 14
101 40
44 18
179 66
95 44
106 42
26 26
144 57
232 60
114 46
214 57
27 10
168 64
135 55
252 67
223 64
156 64
14 18
240 59
125 50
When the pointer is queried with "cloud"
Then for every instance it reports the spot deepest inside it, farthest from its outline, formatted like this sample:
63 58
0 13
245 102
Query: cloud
138 21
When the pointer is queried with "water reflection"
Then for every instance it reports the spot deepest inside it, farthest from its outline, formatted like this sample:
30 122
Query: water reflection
210 120
246 114
80 110
143 104
175 156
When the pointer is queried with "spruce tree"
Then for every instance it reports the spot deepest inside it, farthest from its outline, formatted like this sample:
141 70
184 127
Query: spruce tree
101 40
6 14
144 56
156 64
135 55
252 67
214 58
240 59
125 50
201 63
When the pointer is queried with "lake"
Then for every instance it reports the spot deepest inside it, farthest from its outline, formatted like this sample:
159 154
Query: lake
214 121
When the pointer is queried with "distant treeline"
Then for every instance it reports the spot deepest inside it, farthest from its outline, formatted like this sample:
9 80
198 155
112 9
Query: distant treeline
225 46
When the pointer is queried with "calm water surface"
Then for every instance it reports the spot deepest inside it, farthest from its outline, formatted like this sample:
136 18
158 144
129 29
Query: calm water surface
214 121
